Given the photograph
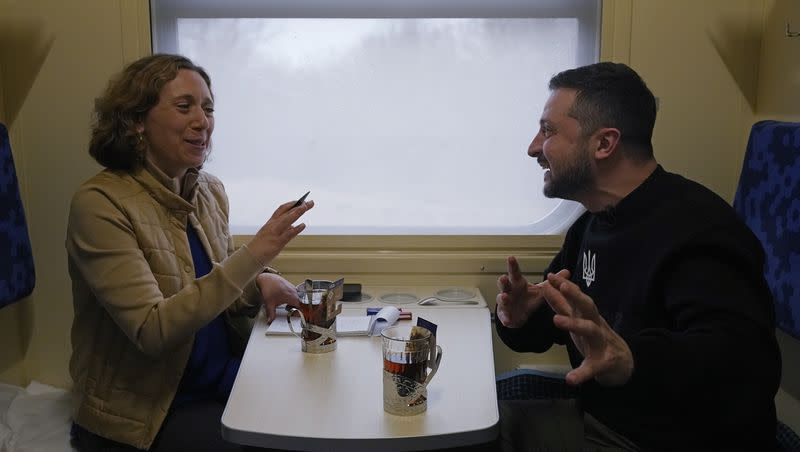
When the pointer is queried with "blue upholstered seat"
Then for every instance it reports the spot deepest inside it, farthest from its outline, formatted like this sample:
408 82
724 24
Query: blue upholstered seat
529 384
16 259
768 199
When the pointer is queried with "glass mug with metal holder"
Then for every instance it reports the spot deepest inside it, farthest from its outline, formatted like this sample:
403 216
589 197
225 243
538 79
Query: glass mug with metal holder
319 306
410 360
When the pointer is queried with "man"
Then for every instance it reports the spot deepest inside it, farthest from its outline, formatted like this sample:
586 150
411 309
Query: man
657 292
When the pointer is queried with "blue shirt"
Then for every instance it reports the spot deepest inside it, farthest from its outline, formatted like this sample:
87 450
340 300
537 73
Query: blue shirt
211 368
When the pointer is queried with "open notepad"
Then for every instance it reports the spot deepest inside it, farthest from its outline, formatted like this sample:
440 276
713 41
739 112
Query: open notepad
346 325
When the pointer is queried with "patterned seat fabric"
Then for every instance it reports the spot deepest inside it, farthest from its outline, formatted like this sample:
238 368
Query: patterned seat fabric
17 275
768 199
529 384
787 438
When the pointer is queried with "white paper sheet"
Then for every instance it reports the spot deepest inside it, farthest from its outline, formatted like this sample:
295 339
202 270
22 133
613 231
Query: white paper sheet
345 325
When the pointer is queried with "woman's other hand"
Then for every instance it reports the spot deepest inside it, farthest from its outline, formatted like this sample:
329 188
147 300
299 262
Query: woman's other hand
275 291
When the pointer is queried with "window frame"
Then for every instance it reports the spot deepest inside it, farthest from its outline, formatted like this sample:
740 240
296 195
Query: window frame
415 258
164 23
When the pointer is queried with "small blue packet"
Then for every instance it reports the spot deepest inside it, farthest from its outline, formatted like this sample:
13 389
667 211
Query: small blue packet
427 324
430 326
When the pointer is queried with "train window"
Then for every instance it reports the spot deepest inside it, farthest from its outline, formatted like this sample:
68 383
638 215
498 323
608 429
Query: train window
401 117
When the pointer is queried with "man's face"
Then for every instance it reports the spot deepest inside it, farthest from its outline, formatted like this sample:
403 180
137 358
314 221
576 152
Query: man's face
562 150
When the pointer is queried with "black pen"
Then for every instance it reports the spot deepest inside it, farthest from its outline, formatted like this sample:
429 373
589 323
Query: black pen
300 201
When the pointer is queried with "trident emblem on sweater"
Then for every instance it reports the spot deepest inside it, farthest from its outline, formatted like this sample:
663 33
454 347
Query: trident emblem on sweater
589 261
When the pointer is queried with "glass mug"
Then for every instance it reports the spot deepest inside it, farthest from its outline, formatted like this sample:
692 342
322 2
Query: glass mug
318 310
410 360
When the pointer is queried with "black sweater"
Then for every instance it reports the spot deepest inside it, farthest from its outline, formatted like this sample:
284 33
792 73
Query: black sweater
678 276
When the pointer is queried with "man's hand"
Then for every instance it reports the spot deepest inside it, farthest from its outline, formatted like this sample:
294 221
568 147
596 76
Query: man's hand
606 356
518 298
275 290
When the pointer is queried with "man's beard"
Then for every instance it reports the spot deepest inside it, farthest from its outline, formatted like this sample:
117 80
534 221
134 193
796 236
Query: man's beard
573 178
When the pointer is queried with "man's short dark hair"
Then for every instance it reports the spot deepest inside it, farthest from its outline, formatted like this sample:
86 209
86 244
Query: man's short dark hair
612 95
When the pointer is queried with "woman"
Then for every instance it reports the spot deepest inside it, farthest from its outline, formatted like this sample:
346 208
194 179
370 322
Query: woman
161 297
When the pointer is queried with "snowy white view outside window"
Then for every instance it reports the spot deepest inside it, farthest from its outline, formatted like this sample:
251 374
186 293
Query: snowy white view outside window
397 126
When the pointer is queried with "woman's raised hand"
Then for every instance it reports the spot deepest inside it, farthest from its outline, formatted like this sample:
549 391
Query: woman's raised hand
278 231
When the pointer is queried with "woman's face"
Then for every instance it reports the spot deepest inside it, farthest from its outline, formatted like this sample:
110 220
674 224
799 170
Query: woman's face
178 129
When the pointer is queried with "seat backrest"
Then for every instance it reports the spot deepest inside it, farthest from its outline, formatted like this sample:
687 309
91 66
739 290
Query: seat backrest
768 199
17 275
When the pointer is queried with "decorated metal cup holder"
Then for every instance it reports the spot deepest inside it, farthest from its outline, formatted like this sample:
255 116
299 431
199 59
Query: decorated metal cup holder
410 360
318 310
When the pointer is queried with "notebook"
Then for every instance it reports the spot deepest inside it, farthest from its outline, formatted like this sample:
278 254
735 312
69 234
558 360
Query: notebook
346 325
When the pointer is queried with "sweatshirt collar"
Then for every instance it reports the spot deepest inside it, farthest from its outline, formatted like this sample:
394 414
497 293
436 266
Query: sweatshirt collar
639 199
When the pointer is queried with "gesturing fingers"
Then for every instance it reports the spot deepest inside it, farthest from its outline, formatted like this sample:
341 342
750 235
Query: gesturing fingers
503 284
289 210
293 214
566 298
607 357
282 220
555 298
269 311
514 272
587 328
293 231
581 374
503 314
282 209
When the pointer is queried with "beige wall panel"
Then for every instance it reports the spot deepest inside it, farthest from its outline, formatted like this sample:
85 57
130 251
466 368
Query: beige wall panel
615 41
20 28
3 117
15 324
779 72
698 59
53 124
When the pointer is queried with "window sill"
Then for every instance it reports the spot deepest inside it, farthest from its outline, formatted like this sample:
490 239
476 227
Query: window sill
475 255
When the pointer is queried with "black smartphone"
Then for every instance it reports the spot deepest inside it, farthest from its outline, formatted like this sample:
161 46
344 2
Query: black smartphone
300 201
351 292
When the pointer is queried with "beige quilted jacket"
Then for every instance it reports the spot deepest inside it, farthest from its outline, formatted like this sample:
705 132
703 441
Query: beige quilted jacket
136 300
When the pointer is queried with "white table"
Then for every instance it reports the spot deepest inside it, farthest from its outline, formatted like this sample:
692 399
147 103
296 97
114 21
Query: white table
286 399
